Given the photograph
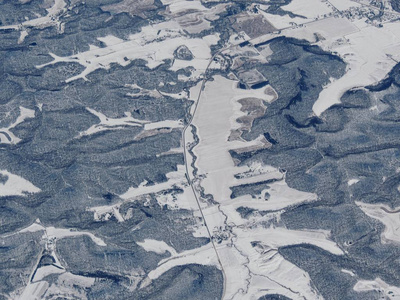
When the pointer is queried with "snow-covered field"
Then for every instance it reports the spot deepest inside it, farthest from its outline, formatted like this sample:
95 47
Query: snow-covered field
6 136
387 291
37 285
369 51
15 185
153 44
245 248
247 270
384 214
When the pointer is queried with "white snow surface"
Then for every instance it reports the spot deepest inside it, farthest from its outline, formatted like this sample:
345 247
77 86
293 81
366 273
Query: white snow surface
369 51
51 19
248 254
16 185
159 247
153 44
247 269
311 9
367 62
389 291
6 136
51 232
185 200
60 233
390 218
